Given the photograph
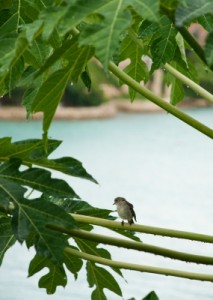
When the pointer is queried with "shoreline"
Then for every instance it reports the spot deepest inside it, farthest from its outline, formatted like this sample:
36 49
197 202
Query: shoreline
103 111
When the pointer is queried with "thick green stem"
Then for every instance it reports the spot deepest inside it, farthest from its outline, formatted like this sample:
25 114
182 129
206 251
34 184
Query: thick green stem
137 267
195 87
133 245
159 101
145 229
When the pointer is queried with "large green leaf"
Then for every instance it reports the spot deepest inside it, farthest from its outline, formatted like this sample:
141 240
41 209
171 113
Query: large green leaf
188 10
73 263
177 90
55 277
38 179
81 207
163 48
67 165
49 96
6 236
27 150
207 22
51 91
33 152
35 216
147 9
10 24
137 69
79 10
11 49
9 192
105 37
92 248
100 279
151 296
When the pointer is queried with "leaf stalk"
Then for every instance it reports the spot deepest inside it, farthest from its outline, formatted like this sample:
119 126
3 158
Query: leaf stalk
138 267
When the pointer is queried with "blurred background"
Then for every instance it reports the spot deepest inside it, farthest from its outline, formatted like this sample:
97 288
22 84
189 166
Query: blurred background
134 150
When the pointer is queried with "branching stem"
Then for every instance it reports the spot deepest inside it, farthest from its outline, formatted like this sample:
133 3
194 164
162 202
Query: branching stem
134 245
138 267
159 101
145 229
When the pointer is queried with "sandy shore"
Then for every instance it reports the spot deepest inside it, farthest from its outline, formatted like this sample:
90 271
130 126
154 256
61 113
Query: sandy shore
107 110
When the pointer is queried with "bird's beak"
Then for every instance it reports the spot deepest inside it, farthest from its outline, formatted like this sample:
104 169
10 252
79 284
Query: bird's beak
113 203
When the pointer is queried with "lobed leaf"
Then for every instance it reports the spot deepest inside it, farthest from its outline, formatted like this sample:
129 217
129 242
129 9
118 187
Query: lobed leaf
55 277
81 207
206 21
101 279
116 20
177 90
73 263
137 69
151 296
6 236
163 48
38 179
51 91
27 150
147 9
33 152
189 10
92 248
35 216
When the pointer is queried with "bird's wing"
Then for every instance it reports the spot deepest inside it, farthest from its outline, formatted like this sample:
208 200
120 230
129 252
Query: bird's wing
132 210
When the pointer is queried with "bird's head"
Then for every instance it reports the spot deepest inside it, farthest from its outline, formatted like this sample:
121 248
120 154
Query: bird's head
119 200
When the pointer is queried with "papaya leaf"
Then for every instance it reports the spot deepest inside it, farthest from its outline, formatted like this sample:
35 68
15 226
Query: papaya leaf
137 69
80 9
32 152
73 263
27 150
10 24
163 48
147 9
177 89
81 207
6 236
38 179
147 29
151 296
35 216
51 91
92 248
206 21
189 10
11 50
55 277
116 20
49 96
37 53
101 279
67 165
51 17
9 192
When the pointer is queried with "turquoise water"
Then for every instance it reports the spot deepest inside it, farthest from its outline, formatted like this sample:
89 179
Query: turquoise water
158 163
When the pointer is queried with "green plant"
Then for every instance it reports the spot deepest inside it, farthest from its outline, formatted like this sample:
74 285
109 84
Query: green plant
45 44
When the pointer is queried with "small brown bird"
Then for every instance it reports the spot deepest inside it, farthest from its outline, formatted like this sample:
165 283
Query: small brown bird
125 210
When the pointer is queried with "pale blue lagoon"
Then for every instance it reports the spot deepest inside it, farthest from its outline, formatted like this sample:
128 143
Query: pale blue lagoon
158 163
